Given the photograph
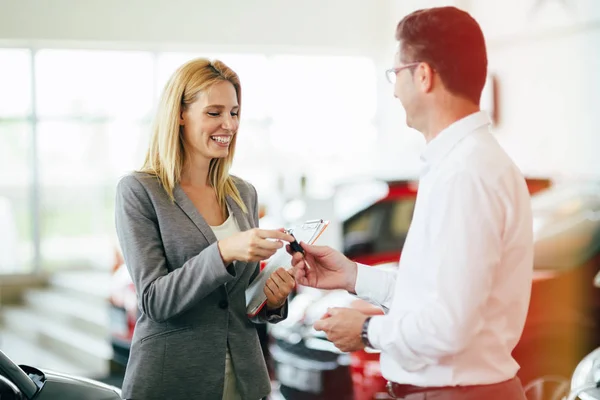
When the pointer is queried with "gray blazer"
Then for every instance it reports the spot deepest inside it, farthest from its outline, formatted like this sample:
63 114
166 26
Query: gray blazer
192 305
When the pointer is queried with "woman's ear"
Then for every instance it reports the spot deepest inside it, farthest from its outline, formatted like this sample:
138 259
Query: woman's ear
181 119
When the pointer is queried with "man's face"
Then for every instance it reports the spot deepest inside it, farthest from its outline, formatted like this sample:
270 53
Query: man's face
405 89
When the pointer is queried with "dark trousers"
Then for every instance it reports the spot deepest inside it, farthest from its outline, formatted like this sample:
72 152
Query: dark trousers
507 390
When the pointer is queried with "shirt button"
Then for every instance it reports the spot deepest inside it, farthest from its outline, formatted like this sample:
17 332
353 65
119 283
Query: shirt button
223 304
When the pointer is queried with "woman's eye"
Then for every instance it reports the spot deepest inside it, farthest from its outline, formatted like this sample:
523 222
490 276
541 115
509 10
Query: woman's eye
213 114
234 114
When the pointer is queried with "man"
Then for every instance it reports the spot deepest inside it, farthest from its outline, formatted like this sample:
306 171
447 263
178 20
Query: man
458 302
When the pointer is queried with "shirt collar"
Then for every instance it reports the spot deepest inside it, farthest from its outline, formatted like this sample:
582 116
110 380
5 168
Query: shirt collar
449 137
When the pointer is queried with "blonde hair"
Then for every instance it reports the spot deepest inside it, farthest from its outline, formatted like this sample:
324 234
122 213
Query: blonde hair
166 154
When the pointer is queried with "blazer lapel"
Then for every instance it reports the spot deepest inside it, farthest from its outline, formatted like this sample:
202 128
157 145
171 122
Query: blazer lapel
239 215
192 212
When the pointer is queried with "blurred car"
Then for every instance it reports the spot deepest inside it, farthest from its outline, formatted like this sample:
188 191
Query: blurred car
563 322
585 381
561 326
23 382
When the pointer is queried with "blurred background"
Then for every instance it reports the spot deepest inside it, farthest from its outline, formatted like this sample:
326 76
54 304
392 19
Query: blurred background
321 136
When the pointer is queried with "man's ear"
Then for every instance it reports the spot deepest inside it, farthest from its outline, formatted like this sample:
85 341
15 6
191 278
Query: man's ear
424 75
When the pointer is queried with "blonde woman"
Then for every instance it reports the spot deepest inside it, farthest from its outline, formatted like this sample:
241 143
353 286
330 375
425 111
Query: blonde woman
189 236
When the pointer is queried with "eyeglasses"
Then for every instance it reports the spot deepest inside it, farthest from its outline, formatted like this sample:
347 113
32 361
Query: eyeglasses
391 73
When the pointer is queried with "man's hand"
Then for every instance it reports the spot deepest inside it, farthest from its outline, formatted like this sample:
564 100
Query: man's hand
324 268
278 287
343 327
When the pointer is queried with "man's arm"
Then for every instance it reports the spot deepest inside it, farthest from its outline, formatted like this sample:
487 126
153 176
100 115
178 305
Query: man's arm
375 285
461 255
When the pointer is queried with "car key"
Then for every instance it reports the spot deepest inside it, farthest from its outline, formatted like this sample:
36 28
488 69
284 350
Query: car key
296 248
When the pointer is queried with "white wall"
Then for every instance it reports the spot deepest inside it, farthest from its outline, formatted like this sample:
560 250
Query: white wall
548 66
348 26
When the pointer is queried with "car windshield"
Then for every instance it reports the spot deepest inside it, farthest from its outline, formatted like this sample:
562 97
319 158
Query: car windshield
383 226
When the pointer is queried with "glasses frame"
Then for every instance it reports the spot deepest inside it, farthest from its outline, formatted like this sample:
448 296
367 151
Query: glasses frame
391 73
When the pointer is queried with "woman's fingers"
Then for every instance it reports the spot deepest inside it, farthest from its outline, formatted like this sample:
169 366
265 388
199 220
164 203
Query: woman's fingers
257 254
274 234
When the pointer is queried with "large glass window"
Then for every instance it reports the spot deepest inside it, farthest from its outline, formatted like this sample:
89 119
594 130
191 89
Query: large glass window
322 113
94 84
15 83
93 116
77 122
16 223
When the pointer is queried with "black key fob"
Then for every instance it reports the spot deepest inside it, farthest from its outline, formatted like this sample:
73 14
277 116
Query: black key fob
295 246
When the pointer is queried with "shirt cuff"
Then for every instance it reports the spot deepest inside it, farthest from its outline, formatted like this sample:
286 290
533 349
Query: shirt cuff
368 283
376 326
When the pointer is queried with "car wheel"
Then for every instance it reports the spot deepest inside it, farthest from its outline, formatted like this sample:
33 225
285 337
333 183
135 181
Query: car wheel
547 388
547 365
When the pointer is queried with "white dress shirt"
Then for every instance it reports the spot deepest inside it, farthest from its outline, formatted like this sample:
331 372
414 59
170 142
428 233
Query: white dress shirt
460 296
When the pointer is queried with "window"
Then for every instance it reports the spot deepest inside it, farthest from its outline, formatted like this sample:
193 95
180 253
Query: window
393 233
16 223
323 112
94 84
93 118
362 230
381 228
87 122
401 214
15 83
16 172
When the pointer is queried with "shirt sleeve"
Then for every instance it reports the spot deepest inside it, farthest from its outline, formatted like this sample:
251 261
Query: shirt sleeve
375 285
462 250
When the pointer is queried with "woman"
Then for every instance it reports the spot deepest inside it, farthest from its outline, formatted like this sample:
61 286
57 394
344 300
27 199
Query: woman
189 236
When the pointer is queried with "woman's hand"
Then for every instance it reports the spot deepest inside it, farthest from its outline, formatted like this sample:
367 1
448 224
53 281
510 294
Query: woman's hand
252 245
278 287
